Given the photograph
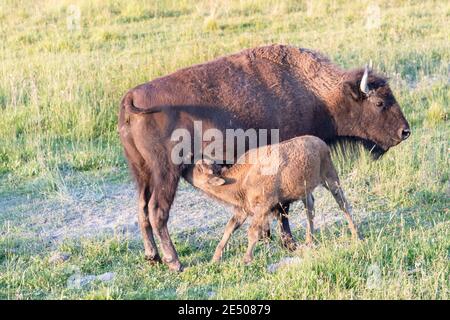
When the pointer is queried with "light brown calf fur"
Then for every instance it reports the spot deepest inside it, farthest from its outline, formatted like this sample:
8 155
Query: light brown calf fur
264 177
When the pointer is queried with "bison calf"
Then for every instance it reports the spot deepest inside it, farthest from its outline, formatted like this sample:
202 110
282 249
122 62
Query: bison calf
265 177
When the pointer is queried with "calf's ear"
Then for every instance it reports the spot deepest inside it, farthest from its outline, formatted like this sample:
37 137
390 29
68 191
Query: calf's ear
216 181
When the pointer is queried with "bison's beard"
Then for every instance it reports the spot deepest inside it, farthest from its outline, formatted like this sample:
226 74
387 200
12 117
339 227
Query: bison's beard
350 145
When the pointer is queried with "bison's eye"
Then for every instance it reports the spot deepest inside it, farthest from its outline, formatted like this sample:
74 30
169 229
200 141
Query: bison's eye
380 104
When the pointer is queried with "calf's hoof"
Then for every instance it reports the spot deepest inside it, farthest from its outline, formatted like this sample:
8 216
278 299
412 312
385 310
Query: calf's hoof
310 244
153 259
357 237
247 260
290 245
266 236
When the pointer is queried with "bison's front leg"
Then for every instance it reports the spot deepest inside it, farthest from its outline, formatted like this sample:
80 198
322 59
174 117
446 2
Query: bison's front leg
159 206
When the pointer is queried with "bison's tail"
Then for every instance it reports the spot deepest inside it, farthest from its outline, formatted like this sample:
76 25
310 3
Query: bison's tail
128 105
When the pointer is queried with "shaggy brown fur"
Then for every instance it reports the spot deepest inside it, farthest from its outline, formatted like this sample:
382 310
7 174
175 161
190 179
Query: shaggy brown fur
279 173
297 91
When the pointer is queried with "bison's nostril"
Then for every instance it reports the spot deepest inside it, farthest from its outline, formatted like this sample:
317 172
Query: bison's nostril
405 134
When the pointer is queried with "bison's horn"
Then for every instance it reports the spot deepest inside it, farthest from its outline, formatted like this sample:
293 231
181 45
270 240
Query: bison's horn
370 64
364 87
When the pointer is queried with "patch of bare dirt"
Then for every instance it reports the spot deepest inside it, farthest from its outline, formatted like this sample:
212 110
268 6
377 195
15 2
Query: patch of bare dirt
111 208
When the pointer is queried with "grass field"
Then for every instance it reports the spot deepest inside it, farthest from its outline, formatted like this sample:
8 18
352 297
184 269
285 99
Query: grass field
64 66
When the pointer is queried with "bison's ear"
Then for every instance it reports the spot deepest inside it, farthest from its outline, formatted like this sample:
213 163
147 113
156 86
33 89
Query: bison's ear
216 181
351 88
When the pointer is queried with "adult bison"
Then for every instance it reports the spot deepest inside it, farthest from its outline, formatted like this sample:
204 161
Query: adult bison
297 91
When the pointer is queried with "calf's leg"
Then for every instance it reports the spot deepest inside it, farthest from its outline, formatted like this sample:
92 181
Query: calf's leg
281 211
266 233
308 201
332 184
233 224
254 233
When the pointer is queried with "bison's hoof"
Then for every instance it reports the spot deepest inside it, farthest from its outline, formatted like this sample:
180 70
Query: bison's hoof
175 266
153 259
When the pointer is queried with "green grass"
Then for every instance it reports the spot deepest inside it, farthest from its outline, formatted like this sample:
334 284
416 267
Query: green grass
59 95
409 250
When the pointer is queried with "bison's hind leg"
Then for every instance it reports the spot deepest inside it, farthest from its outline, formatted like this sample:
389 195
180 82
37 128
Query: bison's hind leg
143 181
165 186
151 251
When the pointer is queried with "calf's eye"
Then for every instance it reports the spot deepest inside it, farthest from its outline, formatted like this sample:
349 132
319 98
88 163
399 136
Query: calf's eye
379 104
